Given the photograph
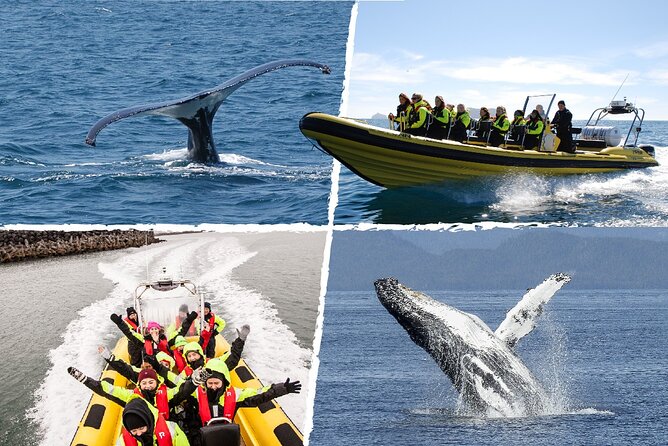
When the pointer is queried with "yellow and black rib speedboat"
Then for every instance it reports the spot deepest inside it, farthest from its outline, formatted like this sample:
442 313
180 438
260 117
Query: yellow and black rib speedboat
266 425
390 158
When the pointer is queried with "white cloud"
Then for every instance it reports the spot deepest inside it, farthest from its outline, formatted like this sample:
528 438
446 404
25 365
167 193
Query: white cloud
411 56
402 66
374 68
658 76
521 70
653 51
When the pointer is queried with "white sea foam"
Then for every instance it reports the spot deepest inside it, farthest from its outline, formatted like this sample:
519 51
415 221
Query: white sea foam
592 411
231 158
84 164
528 194
174 155
208 259
168 155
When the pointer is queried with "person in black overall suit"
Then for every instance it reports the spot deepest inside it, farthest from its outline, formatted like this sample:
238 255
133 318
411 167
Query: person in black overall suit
562 122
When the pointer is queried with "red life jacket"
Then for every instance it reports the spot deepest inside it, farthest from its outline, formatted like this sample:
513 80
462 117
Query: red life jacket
191 331
229 405
132 324
160 433
180 361
162 346
206 335
161 401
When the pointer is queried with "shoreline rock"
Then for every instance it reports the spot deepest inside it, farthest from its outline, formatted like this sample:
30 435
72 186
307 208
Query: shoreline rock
16 245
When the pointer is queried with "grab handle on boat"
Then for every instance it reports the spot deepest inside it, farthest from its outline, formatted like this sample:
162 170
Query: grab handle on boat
219 420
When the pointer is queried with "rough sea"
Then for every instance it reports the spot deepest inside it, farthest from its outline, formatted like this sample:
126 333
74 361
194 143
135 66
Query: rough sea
67 64
628 198
600 354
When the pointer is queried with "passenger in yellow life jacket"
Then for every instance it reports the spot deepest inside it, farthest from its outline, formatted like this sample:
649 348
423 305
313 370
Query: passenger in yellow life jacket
483 126
213 325
441 124
403 111
217 398
129 371
461 124
518 118
500 127
148 387
452 110
517 126
143 425
420 117
535 128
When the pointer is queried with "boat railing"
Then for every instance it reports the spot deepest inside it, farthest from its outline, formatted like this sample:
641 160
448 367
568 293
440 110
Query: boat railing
483 130
516 134
618 108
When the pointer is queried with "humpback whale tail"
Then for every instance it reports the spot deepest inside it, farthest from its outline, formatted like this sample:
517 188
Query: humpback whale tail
197 111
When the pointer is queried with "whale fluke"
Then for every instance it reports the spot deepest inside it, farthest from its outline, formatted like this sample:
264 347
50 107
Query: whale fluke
197 111
481 365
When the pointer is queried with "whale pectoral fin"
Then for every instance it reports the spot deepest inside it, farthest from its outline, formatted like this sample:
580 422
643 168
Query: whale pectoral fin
205 104
522 318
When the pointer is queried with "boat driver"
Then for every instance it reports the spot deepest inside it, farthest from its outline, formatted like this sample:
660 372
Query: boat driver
562 123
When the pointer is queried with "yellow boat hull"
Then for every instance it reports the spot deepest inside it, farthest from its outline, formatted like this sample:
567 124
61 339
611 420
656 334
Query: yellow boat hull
267 425
392 159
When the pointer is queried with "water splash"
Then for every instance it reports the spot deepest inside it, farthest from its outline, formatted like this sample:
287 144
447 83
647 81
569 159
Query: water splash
552 372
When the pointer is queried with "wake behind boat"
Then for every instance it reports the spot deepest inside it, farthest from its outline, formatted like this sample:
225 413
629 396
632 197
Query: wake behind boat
161 301
391 158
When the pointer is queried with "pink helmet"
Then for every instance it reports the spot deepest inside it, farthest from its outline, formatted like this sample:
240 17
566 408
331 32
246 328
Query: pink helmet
153 325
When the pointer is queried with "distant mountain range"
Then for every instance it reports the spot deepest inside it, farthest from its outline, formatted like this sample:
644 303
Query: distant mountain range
516 259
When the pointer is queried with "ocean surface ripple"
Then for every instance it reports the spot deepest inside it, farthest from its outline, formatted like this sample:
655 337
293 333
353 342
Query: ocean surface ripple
66 65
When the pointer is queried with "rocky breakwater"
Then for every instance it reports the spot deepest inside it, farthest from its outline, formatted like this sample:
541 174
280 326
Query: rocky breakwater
23 245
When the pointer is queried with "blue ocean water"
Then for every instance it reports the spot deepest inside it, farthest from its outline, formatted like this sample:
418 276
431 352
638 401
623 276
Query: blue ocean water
67 64
600 354
631 198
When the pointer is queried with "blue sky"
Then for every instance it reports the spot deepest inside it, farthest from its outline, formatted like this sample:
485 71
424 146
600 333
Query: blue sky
496 53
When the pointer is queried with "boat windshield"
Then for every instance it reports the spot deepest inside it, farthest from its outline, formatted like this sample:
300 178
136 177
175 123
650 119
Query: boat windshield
168 307
542 103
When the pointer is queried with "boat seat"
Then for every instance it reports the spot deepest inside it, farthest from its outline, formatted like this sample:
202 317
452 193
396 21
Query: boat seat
227 434
516 134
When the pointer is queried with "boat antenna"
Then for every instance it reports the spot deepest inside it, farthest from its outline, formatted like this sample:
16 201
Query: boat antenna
620 87
146 255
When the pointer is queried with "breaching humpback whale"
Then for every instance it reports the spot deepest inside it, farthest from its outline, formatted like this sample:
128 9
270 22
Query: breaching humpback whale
491 379
197 111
